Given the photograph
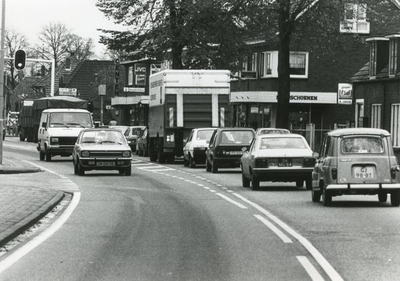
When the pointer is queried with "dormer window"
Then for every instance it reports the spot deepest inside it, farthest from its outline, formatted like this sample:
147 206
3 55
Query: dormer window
372 59
393 54
355 19
378 55
68 64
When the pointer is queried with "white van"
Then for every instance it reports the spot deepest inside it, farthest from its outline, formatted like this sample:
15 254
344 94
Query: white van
59 129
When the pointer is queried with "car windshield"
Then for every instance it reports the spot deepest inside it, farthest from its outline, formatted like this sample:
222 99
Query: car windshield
204 134
362 145
70 119
273 131
283 143
236 137
102 137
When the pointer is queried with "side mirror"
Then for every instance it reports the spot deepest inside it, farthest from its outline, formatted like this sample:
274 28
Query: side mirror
207 141
315 154
244 149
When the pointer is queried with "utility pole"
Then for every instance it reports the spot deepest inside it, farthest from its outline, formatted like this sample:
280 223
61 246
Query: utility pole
2 103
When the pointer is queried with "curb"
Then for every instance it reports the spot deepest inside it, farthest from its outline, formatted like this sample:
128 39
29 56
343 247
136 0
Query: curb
13 170
32 219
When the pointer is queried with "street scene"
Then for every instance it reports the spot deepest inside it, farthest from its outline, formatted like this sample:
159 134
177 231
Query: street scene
200 140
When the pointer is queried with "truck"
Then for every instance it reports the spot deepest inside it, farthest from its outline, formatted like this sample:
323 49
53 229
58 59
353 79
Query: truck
181 100
31 111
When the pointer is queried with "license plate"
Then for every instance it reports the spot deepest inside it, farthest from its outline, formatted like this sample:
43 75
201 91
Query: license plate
105 164
284 162
363 172
235 153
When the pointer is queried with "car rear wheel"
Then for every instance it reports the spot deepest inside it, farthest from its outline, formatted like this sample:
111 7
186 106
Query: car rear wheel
382 197
245 181
395 198
255 183
192 164
214 167
326 198
208 166
315 195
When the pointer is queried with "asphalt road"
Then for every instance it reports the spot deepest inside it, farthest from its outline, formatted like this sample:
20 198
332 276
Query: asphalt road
169 222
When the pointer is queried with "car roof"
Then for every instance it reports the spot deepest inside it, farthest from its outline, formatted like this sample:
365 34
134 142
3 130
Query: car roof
279 136
358 131
204 129
65 110
235 129
101 129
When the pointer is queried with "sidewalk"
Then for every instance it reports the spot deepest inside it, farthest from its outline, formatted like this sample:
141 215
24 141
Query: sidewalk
22 206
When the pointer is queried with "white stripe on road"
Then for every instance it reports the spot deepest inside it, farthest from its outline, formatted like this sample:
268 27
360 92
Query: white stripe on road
47 170
36 241
314 274
274 229
232 201
332 273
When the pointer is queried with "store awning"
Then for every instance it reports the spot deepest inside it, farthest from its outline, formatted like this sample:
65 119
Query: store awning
130 100
295 97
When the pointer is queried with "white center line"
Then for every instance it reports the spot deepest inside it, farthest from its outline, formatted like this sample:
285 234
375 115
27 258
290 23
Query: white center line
314 274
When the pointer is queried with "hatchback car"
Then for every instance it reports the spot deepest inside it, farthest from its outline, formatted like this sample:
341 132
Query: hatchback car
263 131
195 147
102 149
356 161
225 147
132 134
278 157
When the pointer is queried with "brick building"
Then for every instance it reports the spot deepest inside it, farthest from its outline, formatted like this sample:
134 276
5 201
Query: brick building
320 85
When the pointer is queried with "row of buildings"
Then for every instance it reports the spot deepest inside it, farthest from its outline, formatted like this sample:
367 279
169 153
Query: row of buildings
348 80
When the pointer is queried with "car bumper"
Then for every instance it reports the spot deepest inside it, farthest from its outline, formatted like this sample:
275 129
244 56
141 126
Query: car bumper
227 162
283 174
105 163
60 149
366 186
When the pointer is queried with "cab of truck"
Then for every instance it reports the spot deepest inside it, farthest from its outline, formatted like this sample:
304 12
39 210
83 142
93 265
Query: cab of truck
59 130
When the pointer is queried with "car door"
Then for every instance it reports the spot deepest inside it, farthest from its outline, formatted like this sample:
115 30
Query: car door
317 173
247 159
186 148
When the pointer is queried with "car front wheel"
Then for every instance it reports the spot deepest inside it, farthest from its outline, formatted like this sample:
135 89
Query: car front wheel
255 183
214 167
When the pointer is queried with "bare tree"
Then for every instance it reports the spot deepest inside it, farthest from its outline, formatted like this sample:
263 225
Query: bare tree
81 48
56 39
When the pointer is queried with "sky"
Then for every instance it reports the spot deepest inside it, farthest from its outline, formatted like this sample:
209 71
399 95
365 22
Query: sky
81 17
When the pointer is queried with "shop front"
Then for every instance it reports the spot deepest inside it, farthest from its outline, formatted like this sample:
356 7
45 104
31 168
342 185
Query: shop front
131 111
258 109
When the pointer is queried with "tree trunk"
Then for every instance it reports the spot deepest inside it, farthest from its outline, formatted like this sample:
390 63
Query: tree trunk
282 114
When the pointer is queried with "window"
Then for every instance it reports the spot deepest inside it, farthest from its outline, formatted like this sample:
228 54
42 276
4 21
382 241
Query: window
355 19
393 57
68 64
372 59
298 64
394 124
376 112
130 76
357 145
254 62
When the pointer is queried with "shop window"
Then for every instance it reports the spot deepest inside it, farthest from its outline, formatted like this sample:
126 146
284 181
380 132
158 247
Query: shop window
393 45
355 19
376 113
394 124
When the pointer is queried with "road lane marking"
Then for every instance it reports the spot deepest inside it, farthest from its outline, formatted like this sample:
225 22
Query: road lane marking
332 273
241 206
47 170
47 233
274 229
312 272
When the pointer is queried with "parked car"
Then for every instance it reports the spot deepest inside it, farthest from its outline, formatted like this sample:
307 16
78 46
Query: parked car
225 147
263 131
278 157
101 149
132 134
356 161
120 127
142 143
195 147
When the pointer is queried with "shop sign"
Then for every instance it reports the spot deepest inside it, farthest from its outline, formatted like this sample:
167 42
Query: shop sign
345 93
134 89
67 92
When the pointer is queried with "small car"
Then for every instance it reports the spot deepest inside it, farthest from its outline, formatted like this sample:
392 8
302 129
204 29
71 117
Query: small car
132 134
356 161
195 147
263 131
278 157
142 144
225 147
101 149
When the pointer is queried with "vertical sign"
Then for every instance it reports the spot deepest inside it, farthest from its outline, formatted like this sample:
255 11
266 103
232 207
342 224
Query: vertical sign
102 93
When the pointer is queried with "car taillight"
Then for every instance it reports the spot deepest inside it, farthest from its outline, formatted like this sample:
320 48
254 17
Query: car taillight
261 163
308 162
393 171
334 173
170 137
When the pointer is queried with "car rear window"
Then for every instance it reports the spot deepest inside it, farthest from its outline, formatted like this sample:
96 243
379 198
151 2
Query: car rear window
282 143
362 145
204 134
236 137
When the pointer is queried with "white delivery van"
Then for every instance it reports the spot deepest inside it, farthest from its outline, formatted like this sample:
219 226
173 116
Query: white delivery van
59 129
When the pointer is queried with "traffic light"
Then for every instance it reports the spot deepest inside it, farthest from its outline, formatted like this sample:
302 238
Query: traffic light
19 60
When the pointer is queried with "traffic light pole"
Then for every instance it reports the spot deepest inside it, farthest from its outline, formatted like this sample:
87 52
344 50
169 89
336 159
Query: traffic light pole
2 117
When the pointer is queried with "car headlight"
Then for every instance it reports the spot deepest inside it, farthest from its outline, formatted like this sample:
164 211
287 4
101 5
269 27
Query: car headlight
126 154
85 153
54 140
